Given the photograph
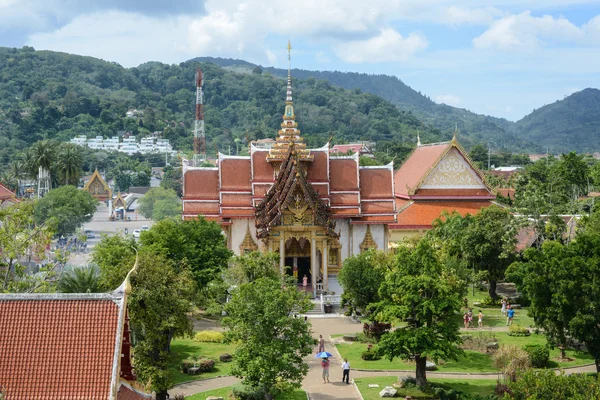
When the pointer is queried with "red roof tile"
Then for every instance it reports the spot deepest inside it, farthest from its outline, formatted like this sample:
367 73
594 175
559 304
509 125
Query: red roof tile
201 183
345 148
128 393
235 173
376 183
58 347
317 169
423 213
344 173
418 164
262 169
6 193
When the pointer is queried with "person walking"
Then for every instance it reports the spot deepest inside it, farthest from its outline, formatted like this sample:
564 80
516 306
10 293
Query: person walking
325 366
510 315
321 344
304 282
466 320
503 309
346 371
470 315
480 319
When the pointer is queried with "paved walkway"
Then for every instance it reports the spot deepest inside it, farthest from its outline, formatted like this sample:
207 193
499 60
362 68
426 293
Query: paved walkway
313 383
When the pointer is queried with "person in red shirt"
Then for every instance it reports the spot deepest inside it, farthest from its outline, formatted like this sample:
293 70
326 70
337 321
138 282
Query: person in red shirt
325 366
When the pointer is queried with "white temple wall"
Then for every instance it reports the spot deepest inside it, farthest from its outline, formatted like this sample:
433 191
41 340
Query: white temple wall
343 229
359 232
238 232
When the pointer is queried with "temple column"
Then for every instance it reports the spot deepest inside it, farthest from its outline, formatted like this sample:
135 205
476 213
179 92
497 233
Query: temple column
282 255
313 265
325 262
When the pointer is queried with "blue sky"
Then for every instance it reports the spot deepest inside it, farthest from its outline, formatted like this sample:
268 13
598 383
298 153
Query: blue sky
497 57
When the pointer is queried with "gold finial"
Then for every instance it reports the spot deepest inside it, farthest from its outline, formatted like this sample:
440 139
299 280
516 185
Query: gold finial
127 283
289 47
455 133
418 139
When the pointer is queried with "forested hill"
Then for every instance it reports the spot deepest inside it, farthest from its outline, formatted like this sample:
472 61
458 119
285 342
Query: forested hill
47 94
569 124
480 128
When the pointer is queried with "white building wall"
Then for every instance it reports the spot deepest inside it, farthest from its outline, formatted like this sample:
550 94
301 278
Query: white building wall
343 229
238 232
359 232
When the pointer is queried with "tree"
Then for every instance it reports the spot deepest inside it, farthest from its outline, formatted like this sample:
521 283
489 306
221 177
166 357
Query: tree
549 278
69 163
199 244
252 266
160 203
159 304
21 238
172 179
80 280
114 256
272 341
490 241
44 155
361 277
69 206
420 291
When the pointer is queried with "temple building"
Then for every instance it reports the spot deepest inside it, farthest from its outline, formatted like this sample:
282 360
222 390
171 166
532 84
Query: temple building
317 209
98 187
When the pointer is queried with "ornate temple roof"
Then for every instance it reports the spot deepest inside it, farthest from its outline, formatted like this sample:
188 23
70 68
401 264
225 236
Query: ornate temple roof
291 181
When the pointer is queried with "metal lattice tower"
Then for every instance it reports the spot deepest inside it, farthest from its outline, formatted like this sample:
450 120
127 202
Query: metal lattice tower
199 134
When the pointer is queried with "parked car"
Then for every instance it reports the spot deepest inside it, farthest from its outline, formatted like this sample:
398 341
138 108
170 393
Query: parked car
136 233
89 234
145 228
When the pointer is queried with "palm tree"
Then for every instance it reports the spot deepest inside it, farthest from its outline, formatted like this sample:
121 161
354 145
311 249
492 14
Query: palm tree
44 154
69 163
27 159
80 280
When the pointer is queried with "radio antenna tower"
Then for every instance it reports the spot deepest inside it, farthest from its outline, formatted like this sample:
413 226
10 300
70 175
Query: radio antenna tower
199 134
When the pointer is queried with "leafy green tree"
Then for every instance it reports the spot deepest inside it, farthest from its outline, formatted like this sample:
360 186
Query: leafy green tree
548 277
272 342
159 304
420 291
160 203
69 206
20 238
252 266
80 280
114 256
198 244
490 241
172 179
362 275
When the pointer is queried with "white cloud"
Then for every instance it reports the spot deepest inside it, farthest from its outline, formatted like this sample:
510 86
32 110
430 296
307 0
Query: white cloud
389 45
449 99
454 15
322 58
526 32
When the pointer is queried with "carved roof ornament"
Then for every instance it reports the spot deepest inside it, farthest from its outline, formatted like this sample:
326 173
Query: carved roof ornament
368 242
248 244
97 187
289 134
291 188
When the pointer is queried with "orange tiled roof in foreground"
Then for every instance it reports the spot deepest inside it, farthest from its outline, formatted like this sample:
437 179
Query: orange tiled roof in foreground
417 165
64 346
422 214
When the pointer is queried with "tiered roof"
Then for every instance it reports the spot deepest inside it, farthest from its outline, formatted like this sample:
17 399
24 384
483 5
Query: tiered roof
66 346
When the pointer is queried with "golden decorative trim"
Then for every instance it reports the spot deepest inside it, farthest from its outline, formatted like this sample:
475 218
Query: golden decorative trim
96 177
248 244
368 242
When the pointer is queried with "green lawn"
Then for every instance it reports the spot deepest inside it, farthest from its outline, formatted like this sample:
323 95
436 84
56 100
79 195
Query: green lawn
472 362
492 317
482 387
226 392
186 348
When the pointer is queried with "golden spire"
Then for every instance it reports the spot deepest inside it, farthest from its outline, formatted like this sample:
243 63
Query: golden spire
418 139
455 133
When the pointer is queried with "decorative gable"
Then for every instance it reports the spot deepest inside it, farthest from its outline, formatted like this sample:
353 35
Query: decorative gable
97 187
453 171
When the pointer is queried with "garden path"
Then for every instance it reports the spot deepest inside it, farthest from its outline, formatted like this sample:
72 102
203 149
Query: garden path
313 383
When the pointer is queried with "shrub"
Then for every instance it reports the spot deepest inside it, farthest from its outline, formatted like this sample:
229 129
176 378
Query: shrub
548 385
489 302
538 355
370 356
205 365
375 329
209 336
244 392
518 330
179 397
226 357
186 364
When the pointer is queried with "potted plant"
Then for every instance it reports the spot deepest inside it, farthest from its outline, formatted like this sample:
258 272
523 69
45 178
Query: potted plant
328 307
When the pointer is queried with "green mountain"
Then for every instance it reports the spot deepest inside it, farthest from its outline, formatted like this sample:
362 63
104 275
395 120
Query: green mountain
46 94
569 124
475 127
